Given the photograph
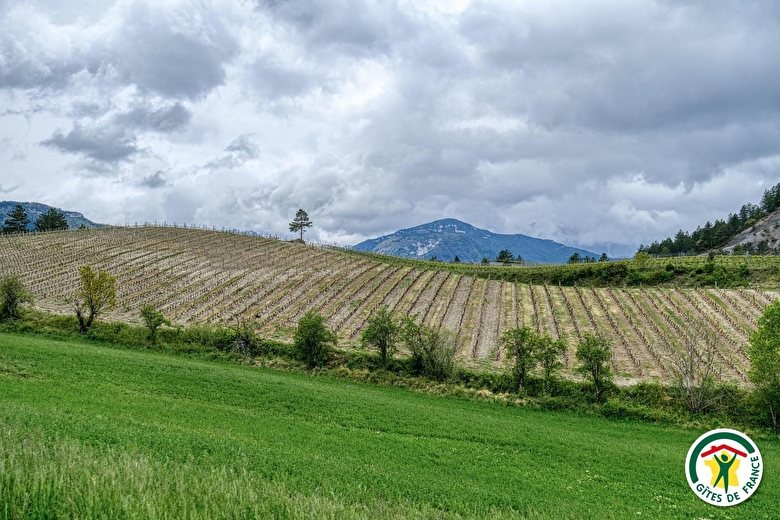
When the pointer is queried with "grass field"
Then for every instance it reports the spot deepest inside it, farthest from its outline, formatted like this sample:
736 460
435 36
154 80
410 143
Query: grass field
96 432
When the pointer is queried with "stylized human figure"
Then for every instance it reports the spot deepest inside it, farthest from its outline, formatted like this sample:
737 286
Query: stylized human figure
725 464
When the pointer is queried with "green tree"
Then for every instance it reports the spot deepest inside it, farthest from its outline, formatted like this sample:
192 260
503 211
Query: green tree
300 222
456 260
382 334
245 340
520 345
153 319
603 257
433 350
485 260
505 256
594 355
313 340
548 354
52 220
12 294
764 354
575 258
96 293
17 221
641 259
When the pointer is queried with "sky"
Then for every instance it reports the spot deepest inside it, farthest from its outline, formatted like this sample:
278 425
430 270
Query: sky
599 124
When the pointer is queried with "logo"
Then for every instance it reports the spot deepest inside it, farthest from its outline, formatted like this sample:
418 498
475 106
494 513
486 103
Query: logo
724 467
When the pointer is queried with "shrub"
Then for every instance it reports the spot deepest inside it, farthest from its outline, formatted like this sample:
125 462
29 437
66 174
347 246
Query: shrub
153 319
313 340
381 333
594 355
97 292
433 351
12 294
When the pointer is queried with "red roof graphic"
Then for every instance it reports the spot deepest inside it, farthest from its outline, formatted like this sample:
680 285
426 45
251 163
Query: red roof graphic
715 449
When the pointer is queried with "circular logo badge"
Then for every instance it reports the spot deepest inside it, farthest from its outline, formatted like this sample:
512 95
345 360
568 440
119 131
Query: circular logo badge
724 467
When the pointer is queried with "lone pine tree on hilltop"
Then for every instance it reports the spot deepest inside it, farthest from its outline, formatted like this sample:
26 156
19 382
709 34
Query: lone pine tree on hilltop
300 222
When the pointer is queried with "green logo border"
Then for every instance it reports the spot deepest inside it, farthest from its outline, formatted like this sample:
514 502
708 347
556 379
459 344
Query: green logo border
740 438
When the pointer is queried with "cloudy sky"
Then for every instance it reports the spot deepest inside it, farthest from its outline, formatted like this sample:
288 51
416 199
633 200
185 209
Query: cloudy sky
600 124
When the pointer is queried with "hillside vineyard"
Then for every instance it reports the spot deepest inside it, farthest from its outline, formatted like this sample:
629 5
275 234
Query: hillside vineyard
194 276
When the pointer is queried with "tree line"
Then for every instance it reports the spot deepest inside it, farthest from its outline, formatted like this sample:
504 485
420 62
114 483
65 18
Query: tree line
716 235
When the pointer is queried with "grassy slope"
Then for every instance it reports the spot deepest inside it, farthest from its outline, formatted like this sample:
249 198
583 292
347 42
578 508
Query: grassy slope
91 431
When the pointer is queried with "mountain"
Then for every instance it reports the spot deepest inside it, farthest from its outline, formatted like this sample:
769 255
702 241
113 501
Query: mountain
447 238
36 209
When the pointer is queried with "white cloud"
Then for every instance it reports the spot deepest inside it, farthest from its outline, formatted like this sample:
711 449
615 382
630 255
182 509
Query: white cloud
589 123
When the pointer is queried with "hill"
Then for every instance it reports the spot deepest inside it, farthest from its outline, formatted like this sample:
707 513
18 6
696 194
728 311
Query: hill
196 276
447 238
751 230
36 209
760 238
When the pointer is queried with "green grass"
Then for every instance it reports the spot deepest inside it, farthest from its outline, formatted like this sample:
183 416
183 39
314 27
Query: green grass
94 432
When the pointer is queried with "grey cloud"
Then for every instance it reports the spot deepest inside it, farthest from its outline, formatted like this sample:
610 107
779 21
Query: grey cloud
273 79
114 139
156 180
3 189
164 120
181 54
103 144
352 27
244 146
240 150
642 68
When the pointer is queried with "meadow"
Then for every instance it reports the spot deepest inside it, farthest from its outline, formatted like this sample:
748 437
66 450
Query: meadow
90 431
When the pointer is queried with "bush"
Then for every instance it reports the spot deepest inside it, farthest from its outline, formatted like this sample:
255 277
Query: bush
153 319
313 340
96 292
618 409
12 294
433 351
594 355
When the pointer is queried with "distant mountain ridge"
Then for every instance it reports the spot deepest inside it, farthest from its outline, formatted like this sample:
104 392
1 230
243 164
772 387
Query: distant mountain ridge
447 238
36 209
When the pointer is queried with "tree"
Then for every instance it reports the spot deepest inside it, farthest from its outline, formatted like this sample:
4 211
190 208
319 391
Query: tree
505 256
245 340
96 293
520 345
594 355
433 350
17 221
313 340
574 259
52 220
548 354
456 260
641 259
603 257
12 294
485 260
764 354
696 368
382 333
153 319
300 222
